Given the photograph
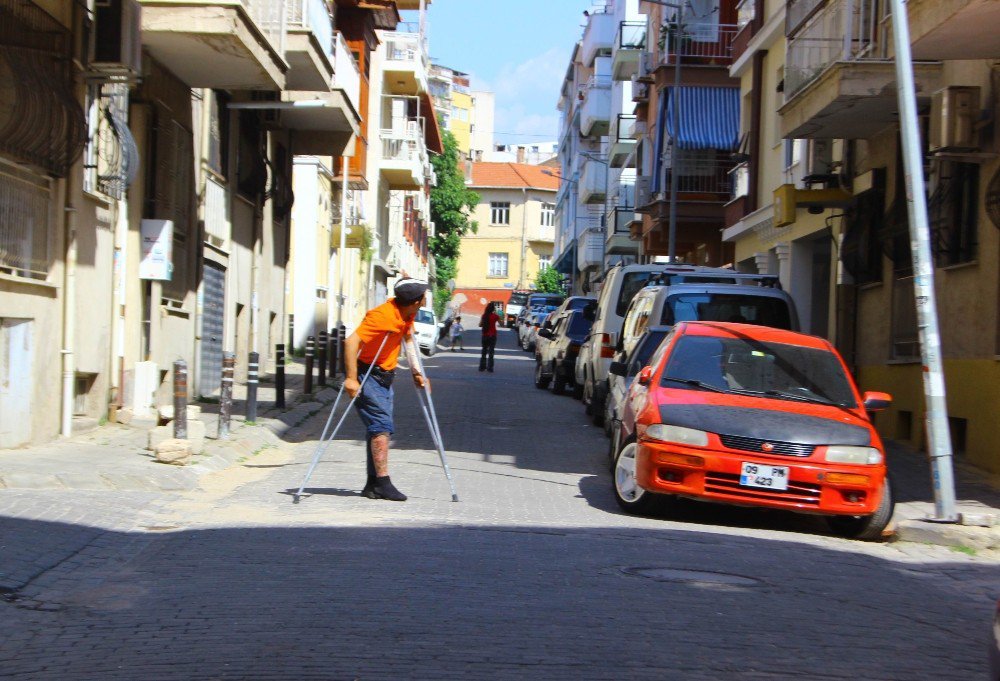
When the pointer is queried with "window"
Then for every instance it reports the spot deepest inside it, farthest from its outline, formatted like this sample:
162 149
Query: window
548 214
905 334
499 212
954 213
24 224
544 262
498 264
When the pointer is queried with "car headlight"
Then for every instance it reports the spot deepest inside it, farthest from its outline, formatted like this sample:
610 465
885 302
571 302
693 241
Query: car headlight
677 434
857 455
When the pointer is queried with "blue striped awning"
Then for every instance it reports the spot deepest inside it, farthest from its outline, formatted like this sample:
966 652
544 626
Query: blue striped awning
708 117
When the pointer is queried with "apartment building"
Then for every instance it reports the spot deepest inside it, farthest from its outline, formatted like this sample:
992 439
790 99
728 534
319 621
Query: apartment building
648 111
516 229
466 112
145 203
821 200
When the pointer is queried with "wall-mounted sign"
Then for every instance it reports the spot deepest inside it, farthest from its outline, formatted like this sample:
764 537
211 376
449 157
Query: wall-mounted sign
157 250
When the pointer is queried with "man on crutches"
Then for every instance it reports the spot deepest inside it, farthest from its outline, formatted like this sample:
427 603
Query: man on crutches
391 322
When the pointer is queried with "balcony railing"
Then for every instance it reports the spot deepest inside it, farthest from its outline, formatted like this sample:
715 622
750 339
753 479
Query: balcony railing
705 175
739 179
797 11
844 30
698 44
347 75
625 128
314 16
746 11
406 145
619 219
406 47
270 16
631 35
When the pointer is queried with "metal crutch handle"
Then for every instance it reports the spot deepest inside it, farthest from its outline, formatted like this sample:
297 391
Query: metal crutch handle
324 441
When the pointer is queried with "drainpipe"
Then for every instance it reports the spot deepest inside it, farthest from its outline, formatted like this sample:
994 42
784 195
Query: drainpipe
524 237
342 259
69 309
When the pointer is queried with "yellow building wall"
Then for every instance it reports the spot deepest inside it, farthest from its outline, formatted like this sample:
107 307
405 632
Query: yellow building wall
523 229
461 102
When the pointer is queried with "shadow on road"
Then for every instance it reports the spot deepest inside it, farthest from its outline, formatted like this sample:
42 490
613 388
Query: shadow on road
486 602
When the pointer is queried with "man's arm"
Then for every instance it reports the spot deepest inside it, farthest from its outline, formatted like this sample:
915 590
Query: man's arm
351 346
413 359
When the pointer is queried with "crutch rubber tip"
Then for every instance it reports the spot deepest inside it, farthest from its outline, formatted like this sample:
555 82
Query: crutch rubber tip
454 497
295 499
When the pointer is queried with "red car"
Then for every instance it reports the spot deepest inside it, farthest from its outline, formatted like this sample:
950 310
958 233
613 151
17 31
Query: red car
755 416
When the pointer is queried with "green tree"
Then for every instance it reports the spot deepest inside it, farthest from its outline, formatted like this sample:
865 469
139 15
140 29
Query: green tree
451 205
549 280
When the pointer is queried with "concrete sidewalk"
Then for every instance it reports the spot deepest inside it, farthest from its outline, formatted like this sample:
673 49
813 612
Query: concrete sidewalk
114 456
978 501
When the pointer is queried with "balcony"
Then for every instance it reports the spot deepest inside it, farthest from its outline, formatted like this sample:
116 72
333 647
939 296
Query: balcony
956 29
622 140
699 44
223 44
746 15
594 182
619 242
321 123
590 249
630 44
595 114
539 233
404 155
347 75
702 177
737 208
406 63
598 37
838 81
309 45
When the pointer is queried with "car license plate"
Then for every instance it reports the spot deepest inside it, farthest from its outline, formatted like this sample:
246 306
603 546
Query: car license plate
759 475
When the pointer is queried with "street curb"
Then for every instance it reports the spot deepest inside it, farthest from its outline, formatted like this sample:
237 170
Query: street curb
950 535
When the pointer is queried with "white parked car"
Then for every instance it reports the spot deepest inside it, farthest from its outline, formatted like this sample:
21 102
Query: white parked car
425 330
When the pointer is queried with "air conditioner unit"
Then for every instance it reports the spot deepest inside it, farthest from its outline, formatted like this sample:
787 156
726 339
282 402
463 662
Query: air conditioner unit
954 113
117 35
819 162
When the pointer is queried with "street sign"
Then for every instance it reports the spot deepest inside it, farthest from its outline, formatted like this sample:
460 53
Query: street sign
157 249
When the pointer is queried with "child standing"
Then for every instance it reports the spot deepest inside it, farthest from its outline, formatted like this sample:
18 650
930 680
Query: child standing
456 333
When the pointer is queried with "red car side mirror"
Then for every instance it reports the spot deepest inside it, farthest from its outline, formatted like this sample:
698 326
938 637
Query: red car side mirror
876 401
645 375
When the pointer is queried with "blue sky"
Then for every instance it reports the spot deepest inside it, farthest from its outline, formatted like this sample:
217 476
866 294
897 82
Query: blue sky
517 49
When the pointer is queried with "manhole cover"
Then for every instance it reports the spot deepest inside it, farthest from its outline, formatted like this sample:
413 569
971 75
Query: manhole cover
664 574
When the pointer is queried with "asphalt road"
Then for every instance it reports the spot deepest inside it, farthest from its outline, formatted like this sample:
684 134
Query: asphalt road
533 574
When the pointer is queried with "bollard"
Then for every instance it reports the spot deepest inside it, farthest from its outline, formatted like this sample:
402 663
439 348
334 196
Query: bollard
341 339
310 351
180 399
291 331
331 352
226 398
252 365
321 358
279 376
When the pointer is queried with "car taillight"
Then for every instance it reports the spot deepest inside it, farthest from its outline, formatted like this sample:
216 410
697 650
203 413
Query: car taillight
607 346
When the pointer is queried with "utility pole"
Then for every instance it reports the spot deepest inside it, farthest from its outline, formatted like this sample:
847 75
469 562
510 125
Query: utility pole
939 438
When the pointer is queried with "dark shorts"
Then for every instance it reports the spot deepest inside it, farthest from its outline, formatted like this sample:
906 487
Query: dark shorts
374 405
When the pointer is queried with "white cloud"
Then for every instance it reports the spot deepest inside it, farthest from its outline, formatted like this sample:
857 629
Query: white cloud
526 96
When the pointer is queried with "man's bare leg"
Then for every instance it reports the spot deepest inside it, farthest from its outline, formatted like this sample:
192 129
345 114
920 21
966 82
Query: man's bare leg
380 454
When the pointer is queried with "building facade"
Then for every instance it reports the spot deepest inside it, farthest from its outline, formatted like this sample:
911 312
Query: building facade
146 201
515 220
821 198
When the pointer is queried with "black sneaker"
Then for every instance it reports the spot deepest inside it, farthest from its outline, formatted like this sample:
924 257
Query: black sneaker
384 489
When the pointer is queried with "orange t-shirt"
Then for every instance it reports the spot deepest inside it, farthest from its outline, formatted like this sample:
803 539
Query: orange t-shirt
379 321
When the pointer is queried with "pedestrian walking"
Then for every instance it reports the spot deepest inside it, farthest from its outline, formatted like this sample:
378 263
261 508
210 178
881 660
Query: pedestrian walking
393 321
456 334
488 323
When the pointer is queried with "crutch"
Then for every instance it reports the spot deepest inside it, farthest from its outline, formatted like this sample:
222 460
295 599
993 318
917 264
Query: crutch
432 425
324 442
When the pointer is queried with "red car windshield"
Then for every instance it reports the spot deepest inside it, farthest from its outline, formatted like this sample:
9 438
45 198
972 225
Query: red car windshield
746 366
